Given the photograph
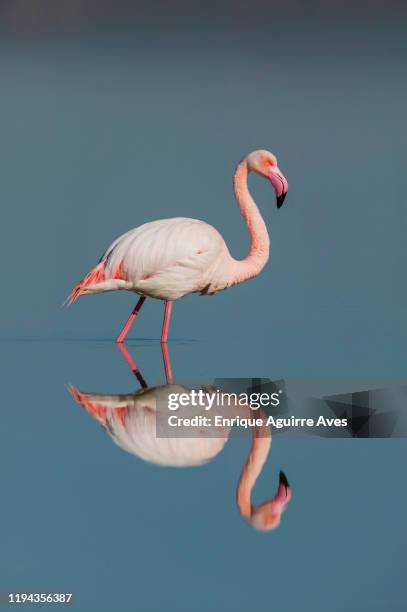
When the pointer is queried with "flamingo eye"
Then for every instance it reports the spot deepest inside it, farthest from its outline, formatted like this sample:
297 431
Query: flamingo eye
269 163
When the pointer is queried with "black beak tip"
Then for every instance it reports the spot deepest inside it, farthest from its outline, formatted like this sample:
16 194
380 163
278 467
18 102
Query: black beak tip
283 480
280 200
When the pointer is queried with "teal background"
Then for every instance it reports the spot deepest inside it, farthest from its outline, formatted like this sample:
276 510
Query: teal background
113 118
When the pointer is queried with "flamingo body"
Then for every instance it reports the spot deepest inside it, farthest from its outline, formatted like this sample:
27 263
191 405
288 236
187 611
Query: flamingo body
164 259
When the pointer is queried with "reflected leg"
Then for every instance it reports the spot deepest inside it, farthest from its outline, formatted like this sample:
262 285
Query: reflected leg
167 363
128 359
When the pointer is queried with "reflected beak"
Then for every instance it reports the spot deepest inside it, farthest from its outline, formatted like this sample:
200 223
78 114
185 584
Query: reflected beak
283 479
284 491
279 183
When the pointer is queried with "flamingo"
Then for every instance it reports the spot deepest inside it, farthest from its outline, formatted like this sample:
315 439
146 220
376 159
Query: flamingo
171 258
131 421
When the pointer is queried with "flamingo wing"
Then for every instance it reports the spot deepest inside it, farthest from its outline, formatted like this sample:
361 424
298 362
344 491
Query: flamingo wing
167 259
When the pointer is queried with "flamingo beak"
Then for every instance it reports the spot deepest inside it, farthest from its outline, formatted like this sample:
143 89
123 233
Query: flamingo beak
279 183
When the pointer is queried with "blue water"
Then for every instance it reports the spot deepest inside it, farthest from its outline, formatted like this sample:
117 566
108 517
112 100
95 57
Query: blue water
80 515
103 130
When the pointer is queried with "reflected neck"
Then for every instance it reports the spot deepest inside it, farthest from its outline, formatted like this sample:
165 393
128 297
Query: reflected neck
252 469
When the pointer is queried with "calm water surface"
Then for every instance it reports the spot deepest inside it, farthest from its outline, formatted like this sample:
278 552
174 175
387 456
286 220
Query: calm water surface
81 515
104 132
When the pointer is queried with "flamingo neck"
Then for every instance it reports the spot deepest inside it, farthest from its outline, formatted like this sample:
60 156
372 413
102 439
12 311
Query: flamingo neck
251 470
259 238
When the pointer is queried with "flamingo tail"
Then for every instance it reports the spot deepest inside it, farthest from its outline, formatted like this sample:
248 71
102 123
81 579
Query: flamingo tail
95 276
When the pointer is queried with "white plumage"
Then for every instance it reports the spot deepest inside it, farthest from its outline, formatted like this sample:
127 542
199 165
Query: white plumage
170 258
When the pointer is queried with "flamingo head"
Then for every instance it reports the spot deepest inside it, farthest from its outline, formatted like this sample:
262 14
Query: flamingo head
265 164
267 516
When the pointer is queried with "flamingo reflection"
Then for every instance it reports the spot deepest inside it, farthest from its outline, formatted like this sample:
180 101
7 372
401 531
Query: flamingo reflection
131 421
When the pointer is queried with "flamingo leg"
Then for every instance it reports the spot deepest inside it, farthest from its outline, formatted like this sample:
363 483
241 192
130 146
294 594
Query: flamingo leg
130 320
166 321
